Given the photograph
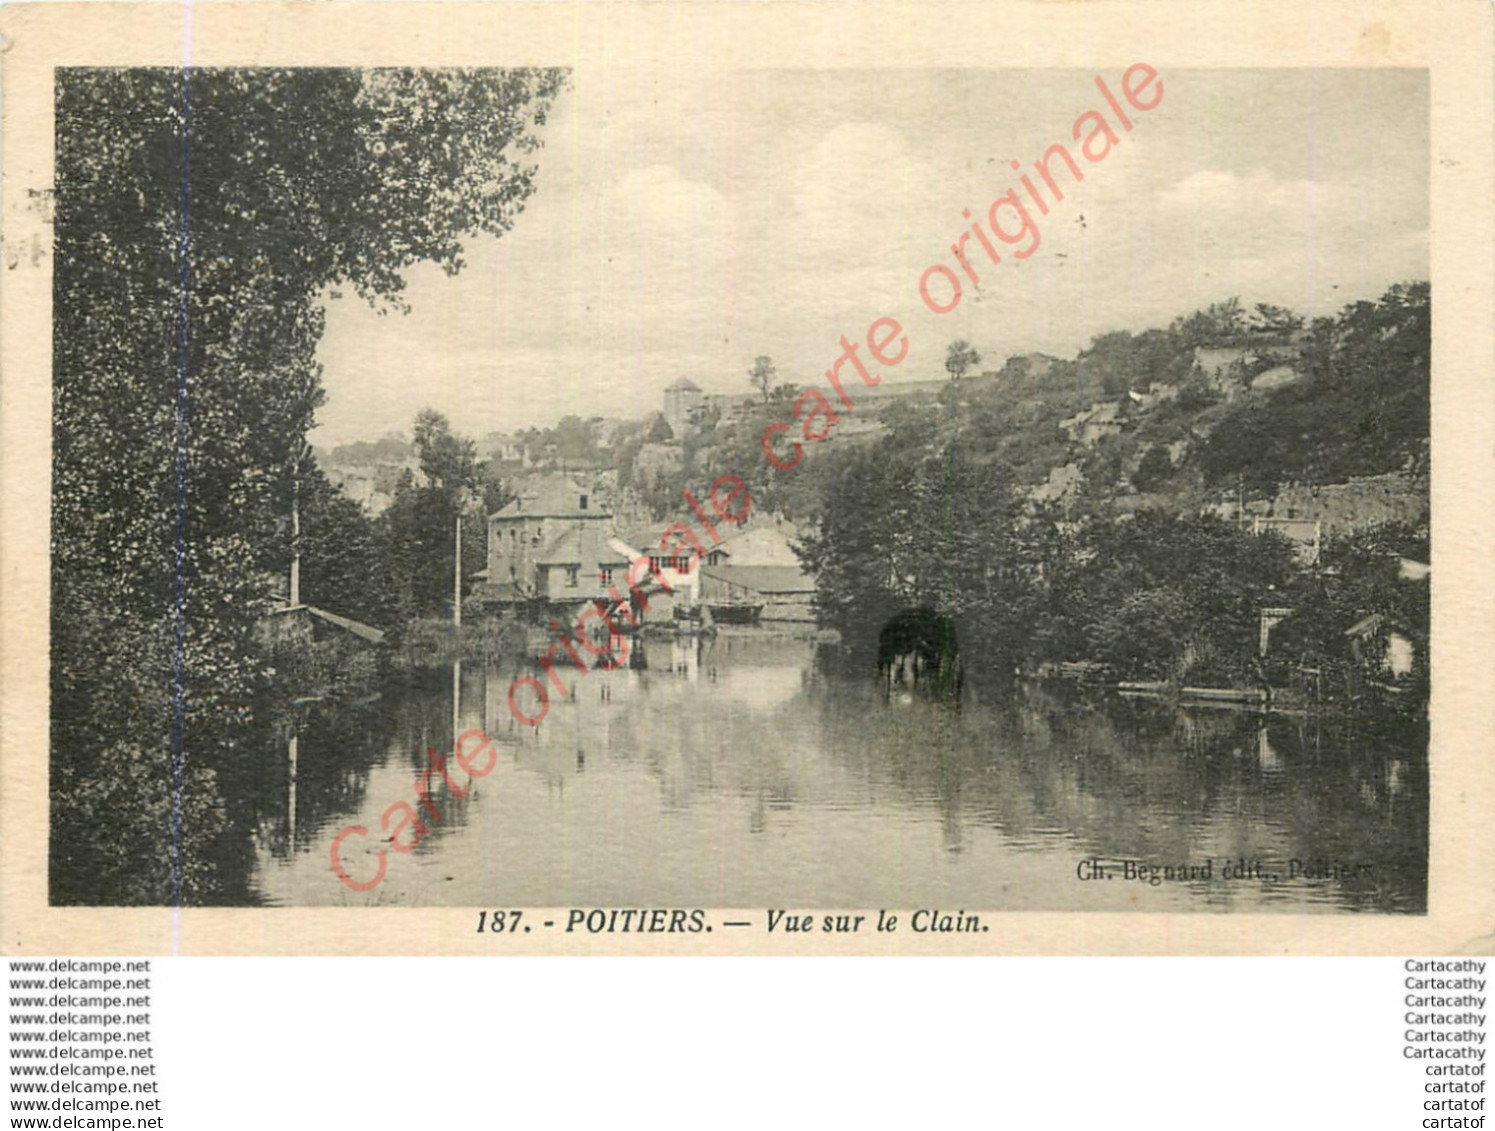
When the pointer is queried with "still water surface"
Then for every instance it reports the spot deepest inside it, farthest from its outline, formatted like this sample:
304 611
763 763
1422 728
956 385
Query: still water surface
755 771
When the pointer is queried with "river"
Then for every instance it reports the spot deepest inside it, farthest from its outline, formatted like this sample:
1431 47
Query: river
752 771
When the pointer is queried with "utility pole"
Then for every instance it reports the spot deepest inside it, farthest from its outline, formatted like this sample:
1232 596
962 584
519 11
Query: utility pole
457 626
457 574
300 457
296 540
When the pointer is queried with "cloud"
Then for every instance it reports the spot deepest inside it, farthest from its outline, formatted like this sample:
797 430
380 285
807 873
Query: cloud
1219 198
659 201
681 229
659 242
860 191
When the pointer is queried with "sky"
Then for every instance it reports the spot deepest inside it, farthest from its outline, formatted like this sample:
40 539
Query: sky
686 222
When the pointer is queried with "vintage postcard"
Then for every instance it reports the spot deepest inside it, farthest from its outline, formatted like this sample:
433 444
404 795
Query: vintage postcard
714 478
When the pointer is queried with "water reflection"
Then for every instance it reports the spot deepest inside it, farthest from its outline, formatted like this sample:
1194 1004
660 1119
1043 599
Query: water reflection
756 771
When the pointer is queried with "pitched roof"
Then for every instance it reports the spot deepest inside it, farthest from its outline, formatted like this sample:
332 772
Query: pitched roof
1369 626
765 579
357 628
760 545
555 496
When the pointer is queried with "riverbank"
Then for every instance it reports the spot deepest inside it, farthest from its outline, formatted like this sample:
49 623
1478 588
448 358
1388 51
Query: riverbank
429 642
717 770
1389 699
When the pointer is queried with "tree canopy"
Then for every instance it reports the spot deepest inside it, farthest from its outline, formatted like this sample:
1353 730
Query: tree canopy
200 215
960 358
762 375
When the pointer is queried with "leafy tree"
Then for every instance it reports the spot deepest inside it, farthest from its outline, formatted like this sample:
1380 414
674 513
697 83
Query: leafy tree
659 430
342 563
200 216
784 393
1153 470
1362 407
1276 319
1197 394
449 464
1359 577
907 524
389 448
1220 325
1104 467
1156 592
419 527
626 447
762 375
960 358
1126 362
574 439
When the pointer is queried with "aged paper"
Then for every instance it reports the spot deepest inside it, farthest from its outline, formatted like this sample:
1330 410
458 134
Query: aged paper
717 479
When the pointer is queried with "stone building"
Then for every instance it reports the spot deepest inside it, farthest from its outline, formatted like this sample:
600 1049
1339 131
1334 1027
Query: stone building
683 400
552 543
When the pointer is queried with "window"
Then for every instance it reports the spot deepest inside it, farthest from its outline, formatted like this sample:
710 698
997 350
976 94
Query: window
582 505
605 574
573 576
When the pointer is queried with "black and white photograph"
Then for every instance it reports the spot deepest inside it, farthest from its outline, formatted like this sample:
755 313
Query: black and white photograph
963 514
956 490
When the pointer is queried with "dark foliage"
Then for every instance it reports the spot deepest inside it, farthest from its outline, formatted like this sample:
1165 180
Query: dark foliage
1362 408
199 216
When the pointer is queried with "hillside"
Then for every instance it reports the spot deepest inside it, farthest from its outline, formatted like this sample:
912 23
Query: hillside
1140 504
1216 407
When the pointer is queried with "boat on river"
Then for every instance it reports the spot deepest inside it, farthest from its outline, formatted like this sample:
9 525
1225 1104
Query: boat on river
734 612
